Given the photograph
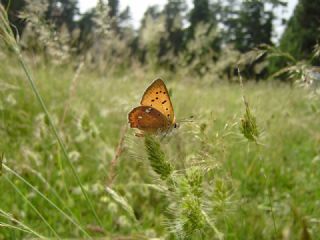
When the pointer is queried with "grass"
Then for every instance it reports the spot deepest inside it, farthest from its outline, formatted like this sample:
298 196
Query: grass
253 191
71 169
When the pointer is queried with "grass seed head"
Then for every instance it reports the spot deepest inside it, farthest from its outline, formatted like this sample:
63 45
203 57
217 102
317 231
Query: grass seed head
194 178
191 215
157 158
248 125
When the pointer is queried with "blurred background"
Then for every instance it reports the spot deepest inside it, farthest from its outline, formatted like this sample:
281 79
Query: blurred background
201 37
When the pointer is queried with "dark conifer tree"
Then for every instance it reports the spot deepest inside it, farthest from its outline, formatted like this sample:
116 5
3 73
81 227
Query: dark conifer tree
303 31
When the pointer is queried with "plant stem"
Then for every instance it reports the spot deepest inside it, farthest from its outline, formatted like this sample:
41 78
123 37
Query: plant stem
33 207
47 199
55 131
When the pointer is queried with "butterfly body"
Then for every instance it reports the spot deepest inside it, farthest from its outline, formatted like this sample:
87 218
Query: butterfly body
155 115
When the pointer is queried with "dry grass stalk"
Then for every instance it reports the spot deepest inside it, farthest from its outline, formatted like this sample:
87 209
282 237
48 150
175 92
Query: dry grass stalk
72 92
114 161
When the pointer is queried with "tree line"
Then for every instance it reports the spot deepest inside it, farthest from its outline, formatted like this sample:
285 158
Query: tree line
195 38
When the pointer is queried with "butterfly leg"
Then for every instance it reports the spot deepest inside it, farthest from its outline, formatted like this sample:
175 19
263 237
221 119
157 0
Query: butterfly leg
166 133
139 134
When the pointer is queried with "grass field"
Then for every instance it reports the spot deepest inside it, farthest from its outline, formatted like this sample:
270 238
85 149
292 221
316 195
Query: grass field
268 190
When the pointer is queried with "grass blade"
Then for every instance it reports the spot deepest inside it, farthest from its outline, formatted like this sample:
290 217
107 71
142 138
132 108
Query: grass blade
7 36
33 207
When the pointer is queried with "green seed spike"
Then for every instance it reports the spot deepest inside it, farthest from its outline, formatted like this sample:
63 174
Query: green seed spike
248 125
157 158
194 177
192 217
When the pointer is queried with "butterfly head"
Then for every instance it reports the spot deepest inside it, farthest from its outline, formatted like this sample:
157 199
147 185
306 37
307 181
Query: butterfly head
176 125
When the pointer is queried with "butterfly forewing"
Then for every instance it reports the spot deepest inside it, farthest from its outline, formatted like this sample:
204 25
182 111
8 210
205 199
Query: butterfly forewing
148 119
157 96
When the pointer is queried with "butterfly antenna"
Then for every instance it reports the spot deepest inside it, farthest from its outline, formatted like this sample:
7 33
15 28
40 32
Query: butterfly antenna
187 119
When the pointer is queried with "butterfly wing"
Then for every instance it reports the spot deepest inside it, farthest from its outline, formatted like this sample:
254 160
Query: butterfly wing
148 119
157 96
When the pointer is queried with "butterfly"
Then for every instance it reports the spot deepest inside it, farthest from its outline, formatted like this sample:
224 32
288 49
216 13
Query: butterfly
155 115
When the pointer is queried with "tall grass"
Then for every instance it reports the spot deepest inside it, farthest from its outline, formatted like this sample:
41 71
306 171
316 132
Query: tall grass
9 39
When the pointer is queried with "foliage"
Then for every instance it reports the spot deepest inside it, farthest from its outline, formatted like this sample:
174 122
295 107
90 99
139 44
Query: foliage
42 37
200 56
199 14
14 8
61 13
105 42
302 32
166 39
290 69
151 32
254 25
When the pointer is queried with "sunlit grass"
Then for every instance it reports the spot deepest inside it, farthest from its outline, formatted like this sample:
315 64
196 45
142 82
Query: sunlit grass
269 183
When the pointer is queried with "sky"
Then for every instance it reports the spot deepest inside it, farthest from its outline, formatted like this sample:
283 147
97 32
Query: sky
138 7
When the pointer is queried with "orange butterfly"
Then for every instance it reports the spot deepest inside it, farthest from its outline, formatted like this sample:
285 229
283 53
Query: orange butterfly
155 115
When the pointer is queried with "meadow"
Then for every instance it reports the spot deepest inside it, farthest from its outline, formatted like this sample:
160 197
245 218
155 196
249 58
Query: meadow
222 185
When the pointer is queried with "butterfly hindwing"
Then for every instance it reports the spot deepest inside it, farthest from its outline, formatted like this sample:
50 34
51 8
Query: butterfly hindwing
148 119
157 96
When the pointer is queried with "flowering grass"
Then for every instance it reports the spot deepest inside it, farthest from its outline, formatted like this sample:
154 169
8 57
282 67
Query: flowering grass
262 191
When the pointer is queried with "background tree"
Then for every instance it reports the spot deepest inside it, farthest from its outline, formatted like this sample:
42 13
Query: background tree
113 8
172 42
86 27
14 8
302 32
62 12
199 13
247 24
149 35
254 26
